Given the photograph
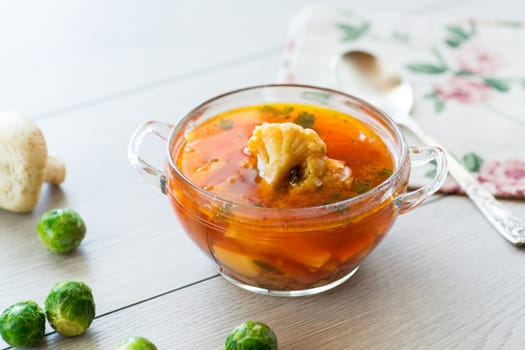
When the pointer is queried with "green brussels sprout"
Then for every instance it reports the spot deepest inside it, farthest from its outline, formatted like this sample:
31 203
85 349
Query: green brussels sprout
61 230
136 343
23 324
251 335
70 308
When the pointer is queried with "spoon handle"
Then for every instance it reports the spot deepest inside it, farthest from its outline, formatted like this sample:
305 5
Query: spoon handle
506 223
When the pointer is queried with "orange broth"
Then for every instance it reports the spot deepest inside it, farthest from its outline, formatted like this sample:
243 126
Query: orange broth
214 155
280 256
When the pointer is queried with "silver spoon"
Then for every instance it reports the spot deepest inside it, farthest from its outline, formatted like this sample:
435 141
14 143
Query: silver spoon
362 74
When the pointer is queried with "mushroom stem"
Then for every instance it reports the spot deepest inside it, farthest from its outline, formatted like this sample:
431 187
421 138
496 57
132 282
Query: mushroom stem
55 171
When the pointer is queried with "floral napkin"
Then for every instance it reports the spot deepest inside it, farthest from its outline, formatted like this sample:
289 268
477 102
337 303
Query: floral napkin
468 77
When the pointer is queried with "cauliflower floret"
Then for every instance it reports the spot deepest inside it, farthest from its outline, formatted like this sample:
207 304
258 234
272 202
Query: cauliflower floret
288 154
279 147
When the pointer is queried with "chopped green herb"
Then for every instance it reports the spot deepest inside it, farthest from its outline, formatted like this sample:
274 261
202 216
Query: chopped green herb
385 172
266 267
341 208
225 124
275 110
305 119
336 196
269 109
287 110
361 187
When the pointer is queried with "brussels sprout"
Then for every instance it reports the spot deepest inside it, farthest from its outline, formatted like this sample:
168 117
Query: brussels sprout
70 308
136 343
251 335
61 230
23 324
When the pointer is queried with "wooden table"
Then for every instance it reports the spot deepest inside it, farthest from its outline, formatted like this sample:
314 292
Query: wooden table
90 72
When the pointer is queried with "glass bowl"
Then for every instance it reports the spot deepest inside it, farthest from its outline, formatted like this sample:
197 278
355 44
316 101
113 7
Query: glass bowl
288 251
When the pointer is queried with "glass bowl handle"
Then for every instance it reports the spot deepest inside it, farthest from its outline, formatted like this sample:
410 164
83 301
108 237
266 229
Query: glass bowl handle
150 173
412 199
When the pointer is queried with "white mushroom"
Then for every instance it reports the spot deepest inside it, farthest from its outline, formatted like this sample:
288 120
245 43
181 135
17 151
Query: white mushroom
24 163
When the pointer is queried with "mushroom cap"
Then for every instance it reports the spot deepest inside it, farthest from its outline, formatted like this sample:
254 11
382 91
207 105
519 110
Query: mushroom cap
23 157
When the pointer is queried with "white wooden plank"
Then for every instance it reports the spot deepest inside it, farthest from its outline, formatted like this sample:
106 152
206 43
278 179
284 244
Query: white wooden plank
441 280
60 53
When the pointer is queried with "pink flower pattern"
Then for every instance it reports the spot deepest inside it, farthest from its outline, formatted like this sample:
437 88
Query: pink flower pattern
476 60
506 178
503 179
476 64
473 82
464 90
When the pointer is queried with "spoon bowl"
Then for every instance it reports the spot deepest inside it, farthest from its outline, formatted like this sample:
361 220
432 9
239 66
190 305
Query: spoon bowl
362 74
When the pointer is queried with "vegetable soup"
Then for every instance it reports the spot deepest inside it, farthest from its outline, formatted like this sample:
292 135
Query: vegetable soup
278 157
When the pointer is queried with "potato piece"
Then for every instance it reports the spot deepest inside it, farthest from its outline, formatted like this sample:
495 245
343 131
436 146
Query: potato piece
240 263
299 250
